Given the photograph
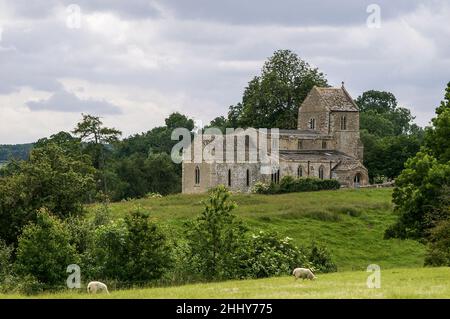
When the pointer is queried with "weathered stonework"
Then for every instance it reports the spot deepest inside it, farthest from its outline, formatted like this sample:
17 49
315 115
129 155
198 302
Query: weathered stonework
326 145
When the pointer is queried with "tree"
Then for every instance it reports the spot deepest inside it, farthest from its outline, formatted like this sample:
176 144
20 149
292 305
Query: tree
44 250
133 250
388 134
422 191
273 98
148 253
214 237
91 131
51 179
437 139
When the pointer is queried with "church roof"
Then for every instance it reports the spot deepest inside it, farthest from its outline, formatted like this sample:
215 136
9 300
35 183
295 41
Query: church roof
313 155
336 99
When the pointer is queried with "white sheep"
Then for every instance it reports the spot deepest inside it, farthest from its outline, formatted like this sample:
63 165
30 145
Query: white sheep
95 286
303 273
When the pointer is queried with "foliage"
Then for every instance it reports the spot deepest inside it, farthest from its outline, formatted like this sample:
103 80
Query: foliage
289 184
6 253
50 178
44 250
320 258
139 175
214 238
388 134
422 191
438 251
131 250
272 98
265 255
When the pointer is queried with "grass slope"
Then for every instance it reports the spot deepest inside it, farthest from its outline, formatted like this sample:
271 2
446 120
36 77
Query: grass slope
351 222
395 283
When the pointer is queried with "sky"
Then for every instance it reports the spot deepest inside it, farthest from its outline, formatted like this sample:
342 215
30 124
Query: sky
135 62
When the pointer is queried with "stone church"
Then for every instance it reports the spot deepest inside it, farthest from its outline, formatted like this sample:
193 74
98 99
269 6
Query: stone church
326 144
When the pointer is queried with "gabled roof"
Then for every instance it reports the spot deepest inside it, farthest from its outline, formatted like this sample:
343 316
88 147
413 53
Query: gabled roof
336 99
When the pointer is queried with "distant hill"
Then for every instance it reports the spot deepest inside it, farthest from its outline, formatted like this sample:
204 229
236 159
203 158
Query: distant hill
17 151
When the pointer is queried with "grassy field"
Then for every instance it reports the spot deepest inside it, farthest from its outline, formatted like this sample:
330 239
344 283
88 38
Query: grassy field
350 222
395 283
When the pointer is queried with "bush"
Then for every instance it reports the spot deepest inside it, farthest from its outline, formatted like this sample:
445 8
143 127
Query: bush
289 184
44 251
132 250
438 250
320 258
5 263
215 237
266 254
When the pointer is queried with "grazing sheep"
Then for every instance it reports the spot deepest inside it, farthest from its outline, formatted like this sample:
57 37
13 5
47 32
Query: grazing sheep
95 286
303 273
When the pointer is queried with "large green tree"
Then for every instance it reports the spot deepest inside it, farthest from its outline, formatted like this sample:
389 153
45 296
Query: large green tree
388 133
51 179
421 195
272 99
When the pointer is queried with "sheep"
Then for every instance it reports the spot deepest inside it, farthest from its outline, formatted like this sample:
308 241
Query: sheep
95 286
303 273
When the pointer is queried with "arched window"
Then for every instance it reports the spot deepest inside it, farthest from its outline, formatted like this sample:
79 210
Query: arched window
229 177
343 122
300 144
321 172
299 171
197 175
248 177
312 124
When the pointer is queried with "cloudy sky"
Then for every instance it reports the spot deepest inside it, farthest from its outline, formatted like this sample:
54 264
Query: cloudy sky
134 62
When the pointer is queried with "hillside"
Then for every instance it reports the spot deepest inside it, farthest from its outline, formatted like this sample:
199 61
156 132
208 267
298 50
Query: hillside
351 222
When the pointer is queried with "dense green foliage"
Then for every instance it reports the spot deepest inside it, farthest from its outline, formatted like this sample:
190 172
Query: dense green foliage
272 98
44 251
422 192
388 133
131 250
220 246
50 179
289 184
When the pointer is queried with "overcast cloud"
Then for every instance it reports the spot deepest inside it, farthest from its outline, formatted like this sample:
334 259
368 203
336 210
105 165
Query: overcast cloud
135 62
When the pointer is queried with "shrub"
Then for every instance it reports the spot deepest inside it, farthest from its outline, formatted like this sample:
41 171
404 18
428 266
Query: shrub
5 261
214 238
148 252
266 254
320 258
261 188
131 250
109 250
44 251
438 250
289 184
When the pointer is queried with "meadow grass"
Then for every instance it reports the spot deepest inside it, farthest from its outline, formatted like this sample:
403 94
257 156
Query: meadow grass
350 222
395 283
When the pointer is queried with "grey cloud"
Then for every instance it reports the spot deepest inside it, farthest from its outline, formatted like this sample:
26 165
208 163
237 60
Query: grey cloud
67 102
287 12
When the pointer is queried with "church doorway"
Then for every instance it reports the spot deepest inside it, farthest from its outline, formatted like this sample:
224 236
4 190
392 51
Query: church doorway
357 180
